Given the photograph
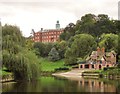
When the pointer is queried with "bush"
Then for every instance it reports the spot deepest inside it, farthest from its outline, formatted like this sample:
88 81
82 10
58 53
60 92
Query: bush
111 67
76 66
53 55
118 65
105 68
64 68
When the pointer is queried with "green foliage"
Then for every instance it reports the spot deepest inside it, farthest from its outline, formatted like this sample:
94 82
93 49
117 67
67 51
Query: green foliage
29 44
39 47
91 24
48 47
109 41
82 45
61 47
111 71
68 32
61 68
87 23
70 57
2 73
24 65
53 55
12 34
42 49
16 57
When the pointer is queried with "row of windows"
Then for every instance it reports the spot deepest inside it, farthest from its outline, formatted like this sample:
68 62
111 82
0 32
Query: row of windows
57 36
51 33
54 40
45 38
50 36
44 33
49 40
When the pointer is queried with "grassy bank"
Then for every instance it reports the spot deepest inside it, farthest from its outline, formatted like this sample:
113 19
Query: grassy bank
111 72
4 73
49 66
6 76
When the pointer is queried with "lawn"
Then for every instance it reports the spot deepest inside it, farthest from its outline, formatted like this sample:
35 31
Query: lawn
47 65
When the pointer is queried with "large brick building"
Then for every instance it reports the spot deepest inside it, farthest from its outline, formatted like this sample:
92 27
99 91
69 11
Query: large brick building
49 35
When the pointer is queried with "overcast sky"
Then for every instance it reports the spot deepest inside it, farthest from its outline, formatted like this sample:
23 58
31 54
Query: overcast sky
37 14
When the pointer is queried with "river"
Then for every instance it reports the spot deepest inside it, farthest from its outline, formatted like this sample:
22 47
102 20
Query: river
61 84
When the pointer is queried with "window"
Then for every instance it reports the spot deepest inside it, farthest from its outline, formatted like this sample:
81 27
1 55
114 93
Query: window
92 66
81 66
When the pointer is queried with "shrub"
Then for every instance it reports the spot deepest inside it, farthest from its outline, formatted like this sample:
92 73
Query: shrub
61 68
76 66
105 68
53 55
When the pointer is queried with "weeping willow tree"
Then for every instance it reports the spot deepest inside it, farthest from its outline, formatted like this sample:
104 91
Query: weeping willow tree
16 57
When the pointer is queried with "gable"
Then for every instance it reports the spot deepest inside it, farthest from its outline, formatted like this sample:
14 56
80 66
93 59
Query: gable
102 59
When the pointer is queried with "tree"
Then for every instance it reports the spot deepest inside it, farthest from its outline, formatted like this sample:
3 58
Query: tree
87 24
70 57
47 48
61 47
53 55
68 32
96 25
29 43
39 48
109 41
105 25
16 57
82 45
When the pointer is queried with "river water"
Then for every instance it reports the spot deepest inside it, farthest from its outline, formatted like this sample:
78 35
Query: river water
61 84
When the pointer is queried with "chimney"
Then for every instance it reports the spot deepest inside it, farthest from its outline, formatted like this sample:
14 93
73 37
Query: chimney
33 32
103 50
98 49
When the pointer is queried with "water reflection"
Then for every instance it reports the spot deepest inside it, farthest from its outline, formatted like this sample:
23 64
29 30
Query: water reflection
58 84
94 85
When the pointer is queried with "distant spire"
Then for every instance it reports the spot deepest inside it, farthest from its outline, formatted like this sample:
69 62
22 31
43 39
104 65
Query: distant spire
57 25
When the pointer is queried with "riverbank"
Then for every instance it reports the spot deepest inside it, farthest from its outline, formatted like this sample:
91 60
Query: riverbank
111 73
72 73
6 76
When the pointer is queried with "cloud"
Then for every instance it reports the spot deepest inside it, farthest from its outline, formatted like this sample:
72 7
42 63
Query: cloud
28 14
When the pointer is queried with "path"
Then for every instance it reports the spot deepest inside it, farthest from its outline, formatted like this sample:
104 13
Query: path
72 73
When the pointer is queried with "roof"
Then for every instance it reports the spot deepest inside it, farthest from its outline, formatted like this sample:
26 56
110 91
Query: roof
113 52
108 53
94 52
100 55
